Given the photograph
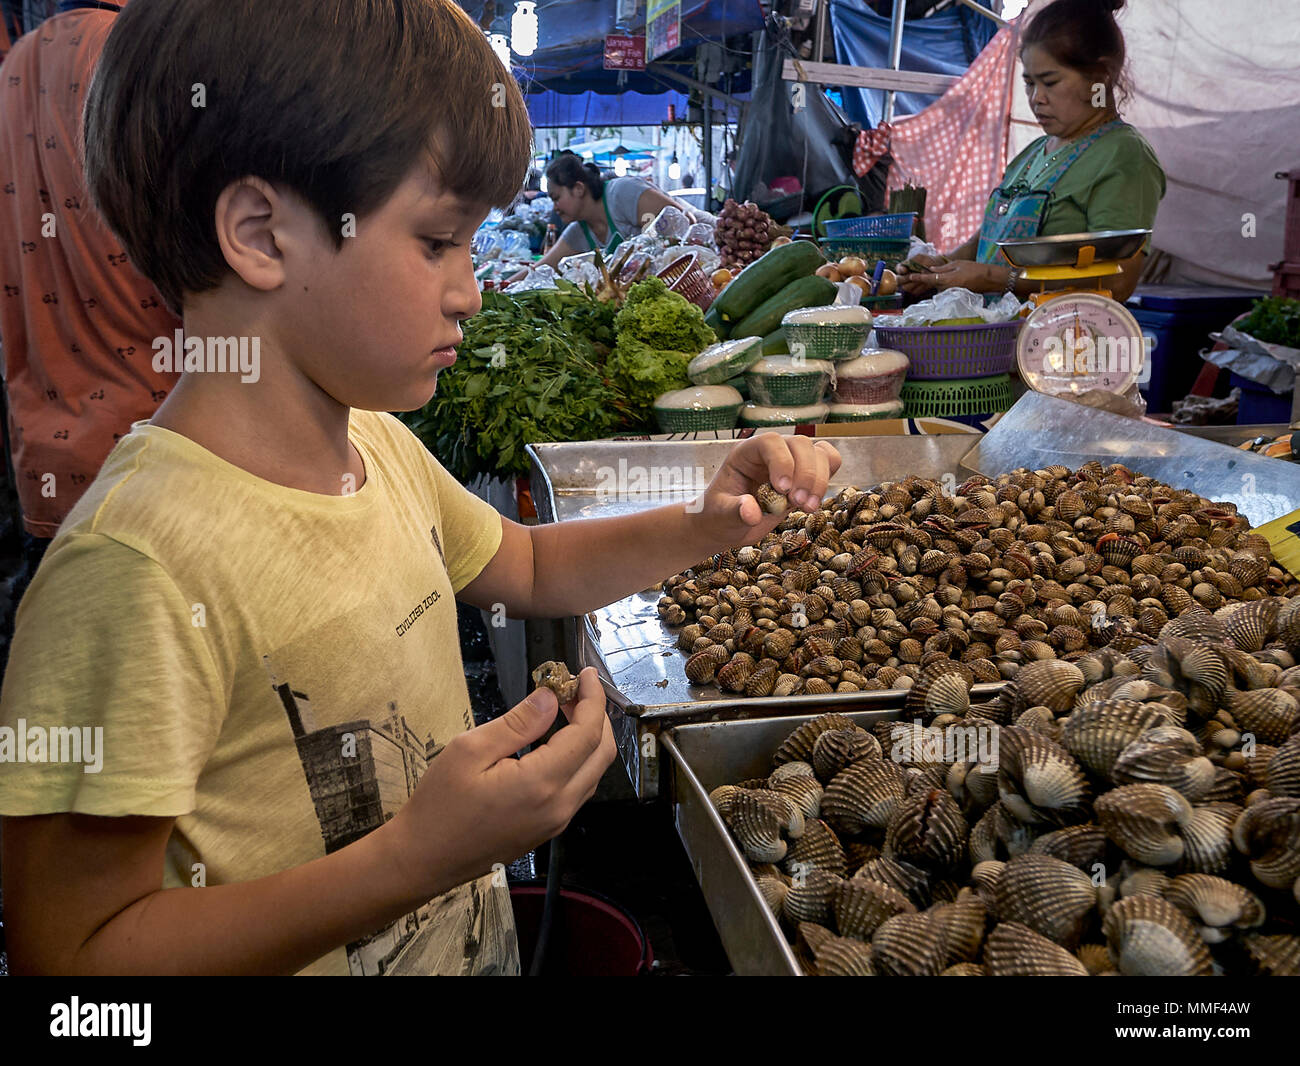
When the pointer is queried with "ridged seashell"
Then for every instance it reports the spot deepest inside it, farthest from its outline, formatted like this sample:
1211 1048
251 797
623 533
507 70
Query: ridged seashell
778 644
1169 756
1270 713
1098 732
861 906
864 795
1196 625
723 798
1217 906
1249 625
1048 683
1247 568
798 746
787 685
912 881
1204 666
1274 956
1145 821
928 830
757 825
962 924
1283 773
773 890
770 500
734 675
811 897
816 849
1150 937
965 969
1118 550
1040 720
1207 838
941 688
998 835
762 681
837 748
1048 895
1268 833
1070 506
1137 880
844 957
797 781
1038 780
1082 845
908 945
1015 950
817 686
1096 959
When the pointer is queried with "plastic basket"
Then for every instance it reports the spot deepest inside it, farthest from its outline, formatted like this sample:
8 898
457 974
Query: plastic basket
693 420
867 248
684 276
788 390
943 352
957 399
827 341
880 389
894 227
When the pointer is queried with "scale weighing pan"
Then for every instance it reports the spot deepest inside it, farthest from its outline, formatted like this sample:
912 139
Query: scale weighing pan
1063 250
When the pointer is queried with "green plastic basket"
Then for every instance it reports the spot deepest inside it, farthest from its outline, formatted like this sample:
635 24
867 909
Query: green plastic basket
691 420
957 398
828 342
788 390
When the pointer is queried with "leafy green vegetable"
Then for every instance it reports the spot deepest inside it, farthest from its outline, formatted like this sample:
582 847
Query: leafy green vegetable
660 318
1275 320
642 373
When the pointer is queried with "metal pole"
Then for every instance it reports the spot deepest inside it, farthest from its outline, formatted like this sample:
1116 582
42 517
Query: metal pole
820 33
895 52
707 100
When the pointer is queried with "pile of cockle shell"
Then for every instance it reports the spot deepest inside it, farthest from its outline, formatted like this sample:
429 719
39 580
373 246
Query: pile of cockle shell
1140 814
1041 564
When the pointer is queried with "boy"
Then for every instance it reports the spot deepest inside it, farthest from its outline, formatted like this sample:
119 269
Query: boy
248 618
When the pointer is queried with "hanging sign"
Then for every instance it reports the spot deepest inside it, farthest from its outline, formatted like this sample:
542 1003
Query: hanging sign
624 53
663 26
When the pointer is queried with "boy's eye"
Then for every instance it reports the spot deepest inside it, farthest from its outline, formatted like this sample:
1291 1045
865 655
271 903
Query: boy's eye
436 245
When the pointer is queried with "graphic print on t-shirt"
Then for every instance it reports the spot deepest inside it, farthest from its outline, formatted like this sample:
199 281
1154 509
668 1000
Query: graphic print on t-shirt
359 771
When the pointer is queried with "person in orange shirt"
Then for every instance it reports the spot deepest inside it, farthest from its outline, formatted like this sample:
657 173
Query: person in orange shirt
77 321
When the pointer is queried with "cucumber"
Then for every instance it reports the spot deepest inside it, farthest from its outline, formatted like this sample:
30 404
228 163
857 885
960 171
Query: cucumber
811 291
714 321
765 277
775 343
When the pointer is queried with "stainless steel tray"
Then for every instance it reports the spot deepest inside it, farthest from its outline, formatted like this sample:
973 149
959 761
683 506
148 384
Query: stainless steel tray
1042 430
634 652
1063 249
702 757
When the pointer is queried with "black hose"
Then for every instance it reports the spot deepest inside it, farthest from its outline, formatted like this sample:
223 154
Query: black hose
553 861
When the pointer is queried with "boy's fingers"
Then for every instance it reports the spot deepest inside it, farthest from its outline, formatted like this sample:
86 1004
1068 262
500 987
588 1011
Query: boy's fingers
582 784
562 756
520 726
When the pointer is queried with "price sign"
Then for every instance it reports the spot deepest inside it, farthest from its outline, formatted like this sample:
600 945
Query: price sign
663 26
624 53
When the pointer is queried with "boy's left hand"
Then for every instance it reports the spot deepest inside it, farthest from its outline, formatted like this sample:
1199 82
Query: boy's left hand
796 466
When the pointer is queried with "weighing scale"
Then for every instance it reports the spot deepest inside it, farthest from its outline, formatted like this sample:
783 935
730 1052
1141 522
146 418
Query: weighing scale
1079 338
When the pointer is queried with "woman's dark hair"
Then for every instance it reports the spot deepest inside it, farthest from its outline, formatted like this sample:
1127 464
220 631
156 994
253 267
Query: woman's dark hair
331 100
1083 35
568 170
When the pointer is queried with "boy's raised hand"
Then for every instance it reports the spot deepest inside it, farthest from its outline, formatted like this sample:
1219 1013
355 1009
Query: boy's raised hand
477 805
795 465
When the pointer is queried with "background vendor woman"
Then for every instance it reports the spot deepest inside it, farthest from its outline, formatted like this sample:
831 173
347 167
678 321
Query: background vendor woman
600 214
1090 172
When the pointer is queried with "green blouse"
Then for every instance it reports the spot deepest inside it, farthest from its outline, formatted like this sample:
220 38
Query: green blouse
1116 184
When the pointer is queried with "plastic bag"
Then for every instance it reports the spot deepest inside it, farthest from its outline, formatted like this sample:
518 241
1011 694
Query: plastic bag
954 304
513 244
670 224
700 233
540 277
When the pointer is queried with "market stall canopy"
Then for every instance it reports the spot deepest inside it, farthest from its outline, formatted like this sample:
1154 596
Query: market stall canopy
946 43
607 148
1220 104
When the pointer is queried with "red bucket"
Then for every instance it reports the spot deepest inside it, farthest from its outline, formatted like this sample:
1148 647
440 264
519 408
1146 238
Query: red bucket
591 936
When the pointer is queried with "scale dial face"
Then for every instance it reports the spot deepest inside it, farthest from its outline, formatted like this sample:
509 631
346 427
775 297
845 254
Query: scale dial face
1081 341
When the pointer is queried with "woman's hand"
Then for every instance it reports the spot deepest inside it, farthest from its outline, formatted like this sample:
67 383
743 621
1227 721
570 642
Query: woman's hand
794 465
962 274
911 271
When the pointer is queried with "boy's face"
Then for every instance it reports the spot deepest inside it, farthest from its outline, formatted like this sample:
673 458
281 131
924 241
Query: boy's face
374 322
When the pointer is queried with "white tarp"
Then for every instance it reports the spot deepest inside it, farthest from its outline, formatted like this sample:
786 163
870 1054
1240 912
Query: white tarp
1217 94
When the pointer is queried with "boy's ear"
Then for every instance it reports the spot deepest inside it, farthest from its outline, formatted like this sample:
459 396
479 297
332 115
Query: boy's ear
257 225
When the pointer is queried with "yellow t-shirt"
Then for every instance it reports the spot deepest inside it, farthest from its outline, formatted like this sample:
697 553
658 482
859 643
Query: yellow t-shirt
274 668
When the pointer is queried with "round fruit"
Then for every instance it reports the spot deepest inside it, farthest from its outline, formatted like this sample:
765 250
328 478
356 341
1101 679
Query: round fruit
780 240
830 271
720 278
851 266
862 283
888 284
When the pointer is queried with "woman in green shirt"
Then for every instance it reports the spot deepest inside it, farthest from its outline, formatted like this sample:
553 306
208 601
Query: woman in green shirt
1089 172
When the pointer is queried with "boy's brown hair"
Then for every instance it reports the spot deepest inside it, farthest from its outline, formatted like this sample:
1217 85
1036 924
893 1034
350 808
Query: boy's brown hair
337 100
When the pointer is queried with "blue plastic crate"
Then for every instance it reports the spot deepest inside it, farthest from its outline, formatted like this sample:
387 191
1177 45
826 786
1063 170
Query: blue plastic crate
1260 405
890 249
891 227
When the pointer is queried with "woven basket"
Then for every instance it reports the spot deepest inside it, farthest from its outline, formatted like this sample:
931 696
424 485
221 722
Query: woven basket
940 353
684 276
965 398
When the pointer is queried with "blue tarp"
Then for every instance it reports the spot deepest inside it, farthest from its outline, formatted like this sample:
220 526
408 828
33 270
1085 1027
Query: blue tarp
946 43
